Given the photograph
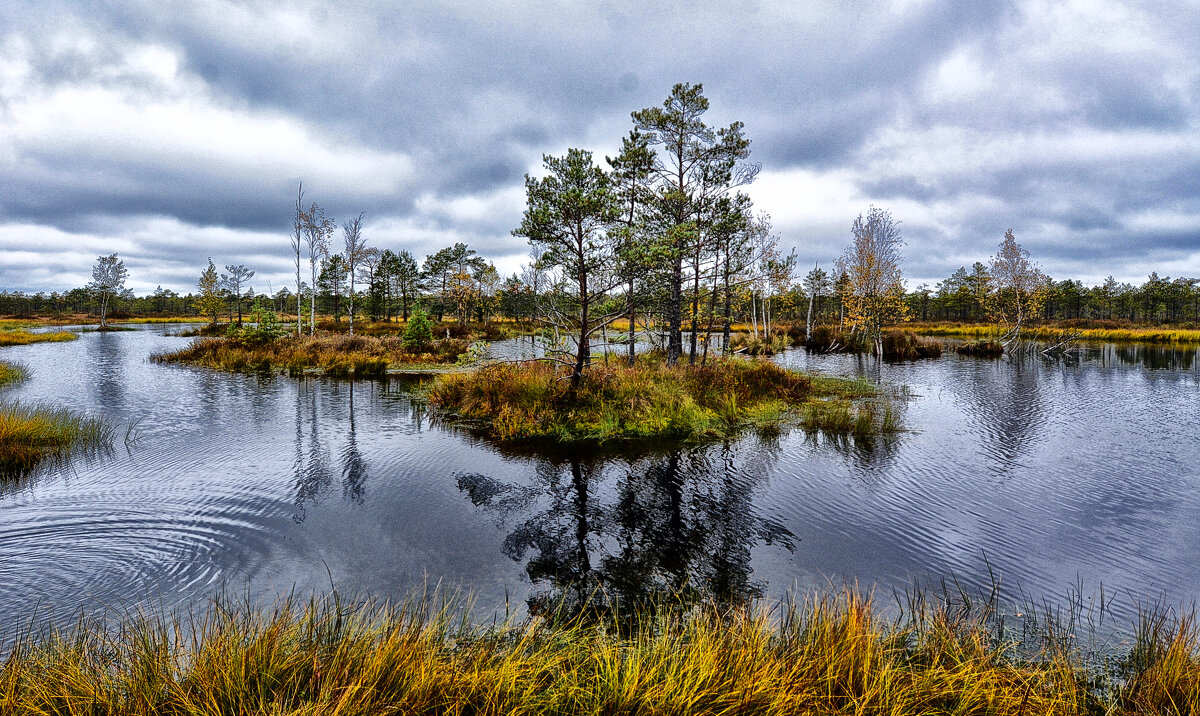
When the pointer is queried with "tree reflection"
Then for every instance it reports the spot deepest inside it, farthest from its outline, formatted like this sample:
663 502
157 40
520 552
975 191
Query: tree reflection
1008 402
311 465
354 467
107 369
668 527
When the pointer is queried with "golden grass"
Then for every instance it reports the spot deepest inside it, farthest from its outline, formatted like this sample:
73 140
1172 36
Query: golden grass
831 654
1051 332
512 402
32 434
11 373
20 337
332 354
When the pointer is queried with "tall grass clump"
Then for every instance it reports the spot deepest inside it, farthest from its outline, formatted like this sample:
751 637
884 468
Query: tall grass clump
982 348
21 337
898 344
906 345
11 373
31 434
832 653
332 354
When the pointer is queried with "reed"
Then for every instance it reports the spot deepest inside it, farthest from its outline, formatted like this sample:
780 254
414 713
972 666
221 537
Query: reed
31 434
21 337
332 354
906 345
11 373
831 653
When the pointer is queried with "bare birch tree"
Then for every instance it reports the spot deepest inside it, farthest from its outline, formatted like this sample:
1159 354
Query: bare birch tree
317 231
353 253
297 240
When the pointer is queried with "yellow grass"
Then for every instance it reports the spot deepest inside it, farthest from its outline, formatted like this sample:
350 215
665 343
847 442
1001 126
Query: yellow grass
1048 332
829 655
22 337
11 373
31 434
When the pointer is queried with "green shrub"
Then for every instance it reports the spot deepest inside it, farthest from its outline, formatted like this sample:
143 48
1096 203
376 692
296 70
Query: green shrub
419 331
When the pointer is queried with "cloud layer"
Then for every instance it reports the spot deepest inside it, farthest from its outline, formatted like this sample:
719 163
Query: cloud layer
170 132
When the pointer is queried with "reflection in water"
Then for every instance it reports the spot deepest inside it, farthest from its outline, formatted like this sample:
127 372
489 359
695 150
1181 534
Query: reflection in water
236 478
311 468
680 525
1005 401
354 467
1151 357
869 456
106 368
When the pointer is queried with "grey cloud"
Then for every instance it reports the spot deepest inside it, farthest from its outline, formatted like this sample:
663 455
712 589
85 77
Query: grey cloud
474 94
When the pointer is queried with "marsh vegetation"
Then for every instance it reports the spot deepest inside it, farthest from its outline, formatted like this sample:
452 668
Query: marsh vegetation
23 337
331 354
33 434
649 400
828 654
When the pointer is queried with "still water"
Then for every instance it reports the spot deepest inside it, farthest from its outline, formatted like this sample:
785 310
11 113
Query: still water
1052 474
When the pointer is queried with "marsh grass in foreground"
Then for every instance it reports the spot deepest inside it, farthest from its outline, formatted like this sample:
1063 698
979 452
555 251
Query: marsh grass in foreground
516 401
833 654
30 435
21 337
332 354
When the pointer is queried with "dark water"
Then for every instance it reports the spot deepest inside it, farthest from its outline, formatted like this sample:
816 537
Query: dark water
1053 473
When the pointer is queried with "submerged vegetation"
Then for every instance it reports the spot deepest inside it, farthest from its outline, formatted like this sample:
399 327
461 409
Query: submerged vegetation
337 354
649 399
831 654
30 435
21 337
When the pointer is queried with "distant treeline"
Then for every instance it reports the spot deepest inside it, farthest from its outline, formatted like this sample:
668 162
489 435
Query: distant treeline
1157 300
479 294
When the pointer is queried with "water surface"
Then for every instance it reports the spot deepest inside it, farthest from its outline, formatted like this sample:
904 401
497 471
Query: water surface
1048 473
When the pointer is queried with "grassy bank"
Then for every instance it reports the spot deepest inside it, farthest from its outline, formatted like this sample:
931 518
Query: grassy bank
21 337
648 400
336 354
30 435
829 655
1058 331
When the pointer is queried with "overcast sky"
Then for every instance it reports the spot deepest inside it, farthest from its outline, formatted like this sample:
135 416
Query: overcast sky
170 132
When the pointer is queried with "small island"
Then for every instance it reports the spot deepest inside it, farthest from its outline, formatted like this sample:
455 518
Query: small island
650 399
